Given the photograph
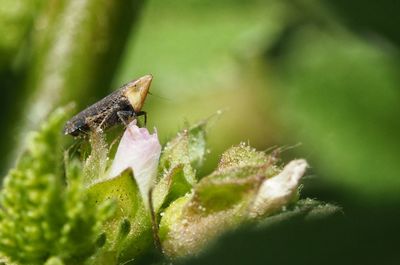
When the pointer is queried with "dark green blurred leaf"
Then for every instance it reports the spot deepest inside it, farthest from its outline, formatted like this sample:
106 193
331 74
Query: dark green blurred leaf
369 18
340 97
307 237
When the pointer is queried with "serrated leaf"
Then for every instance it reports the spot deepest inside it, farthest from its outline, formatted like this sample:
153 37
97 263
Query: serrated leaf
30 200
39 217
82 221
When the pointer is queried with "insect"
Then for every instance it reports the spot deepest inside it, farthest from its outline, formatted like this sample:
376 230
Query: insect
119 107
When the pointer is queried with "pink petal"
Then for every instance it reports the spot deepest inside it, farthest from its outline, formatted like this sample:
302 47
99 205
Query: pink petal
140 151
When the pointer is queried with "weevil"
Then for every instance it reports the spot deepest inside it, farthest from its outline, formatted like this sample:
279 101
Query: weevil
119 107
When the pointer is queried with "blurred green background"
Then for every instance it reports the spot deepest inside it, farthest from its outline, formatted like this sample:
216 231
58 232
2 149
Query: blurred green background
320 78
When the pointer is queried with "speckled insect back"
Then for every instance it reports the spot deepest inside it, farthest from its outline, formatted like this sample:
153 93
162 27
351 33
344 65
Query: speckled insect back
121 106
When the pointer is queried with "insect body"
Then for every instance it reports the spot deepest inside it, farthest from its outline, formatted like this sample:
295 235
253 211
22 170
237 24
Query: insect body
124 104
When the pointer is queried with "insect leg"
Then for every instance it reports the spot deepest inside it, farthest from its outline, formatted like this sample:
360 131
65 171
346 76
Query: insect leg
142 113
125 116
83 132
105 119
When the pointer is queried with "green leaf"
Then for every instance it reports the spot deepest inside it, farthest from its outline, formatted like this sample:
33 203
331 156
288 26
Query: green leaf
128 233
30 215
341 70
83 221
40 217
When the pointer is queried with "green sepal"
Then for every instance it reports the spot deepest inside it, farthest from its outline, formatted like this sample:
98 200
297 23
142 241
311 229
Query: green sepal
188 149
96 163
306 209
172 186
180 159
219 201
242 155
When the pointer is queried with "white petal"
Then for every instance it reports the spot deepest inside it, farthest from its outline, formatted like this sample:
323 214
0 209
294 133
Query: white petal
277 191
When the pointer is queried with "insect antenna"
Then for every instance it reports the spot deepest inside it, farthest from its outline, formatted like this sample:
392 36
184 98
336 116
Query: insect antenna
158 96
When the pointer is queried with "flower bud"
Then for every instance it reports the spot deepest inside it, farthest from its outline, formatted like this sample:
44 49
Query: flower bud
140 151
276 192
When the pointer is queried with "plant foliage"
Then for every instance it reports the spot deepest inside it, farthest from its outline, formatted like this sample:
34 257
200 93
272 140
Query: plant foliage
68 211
